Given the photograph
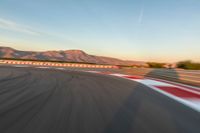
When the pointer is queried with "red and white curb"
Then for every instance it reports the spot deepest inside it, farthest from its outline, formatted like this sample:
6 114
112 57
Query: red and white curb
187 95
50 64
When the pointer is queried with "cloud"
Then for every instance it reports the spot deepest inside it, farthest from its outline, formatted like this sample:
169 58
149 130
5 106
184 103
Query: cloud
140 19
13 26
42 35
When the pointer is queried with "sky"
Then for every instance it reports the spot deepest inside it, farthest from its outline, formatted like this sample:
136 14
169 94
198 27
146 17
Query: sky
143 30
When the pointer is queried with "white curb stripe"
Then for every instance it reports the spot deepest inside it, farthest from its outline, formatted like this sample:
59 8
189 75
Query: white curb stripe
151 83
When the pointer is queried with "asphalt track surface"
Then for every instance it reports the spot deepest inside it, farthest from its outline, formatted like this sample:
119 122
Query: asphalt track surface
34 100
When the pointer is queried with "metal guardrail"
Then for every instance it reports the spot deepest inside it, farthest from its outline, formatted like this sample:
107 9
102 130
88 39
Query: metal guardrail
191 77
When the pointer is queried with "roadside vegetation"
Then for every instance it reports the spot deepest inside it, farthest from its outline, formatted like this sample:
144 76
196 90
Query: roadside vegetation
189 65
156 65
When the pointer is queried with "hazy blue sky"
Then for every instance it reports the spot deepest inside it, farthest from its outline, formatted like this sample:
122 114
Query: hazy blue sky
149 30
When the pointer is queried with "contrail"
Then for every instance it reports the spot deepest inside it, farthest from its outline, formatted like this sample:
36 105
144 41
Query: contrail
141 15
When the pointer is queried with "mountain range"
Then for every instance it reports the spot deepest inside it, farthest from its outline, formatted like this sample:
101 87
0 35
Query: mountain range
63 55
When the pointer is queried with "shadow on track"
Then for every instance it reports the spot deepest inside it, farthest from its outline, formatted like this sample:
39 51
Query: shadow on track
164 74
147 111
57 101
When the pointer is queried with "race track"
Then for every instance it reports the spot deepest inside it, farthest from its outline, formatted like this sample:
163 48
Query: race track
34 100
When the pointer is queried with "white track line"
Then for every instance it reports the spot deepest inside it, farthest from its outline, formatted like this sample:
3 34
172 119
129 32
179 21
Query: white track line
43 67
153 82
20 65
192 103
189 103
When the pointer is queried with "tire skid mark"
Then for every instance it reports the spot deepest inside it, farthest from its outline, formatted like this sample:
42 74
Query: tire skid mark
10 93
8 85
37 116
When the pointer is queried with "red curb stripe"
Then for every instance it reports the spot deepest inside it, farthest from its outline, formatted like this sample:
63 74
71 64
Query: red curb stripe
134 77
178 92
176 84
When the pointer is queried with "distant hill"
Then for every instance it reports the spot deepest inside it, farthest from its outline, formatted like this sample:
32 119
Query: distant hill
67 55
